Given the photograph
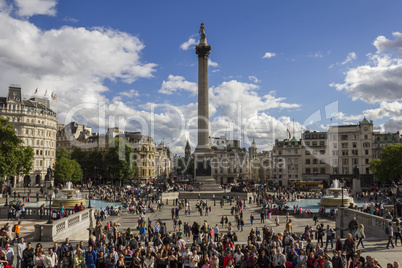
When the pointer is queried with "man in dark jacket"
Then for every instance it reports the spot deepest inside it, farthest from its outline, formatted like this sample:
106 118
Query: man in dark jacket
28 255
352 225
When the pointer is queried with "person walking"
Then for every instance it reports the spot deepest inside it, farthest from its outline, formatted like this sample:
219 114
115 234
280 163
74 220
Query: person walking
360 235
390 234
397 232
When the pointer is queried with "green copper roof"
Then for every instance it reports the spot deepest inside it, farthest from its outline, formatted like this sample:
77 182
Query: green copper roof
365 122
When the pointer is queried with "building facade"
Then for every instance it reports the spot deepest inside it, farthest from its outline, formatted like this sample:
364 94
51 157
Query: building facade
286 160
36 125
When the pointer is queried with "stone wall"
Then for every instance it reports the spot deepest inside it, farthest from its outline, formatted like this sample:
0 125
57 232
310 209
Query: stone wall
74 227
374 226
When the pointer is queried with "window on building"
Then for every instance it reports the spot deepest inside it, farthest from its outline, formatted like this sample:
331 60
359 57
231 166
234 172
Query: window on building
367 171
367 161
355 161
307 161
322 152
365 136
366 145
334 153
345 152
308 170
354 145
307 152
354 137
335 145
322 143
315 161
344 137
355 152
345 161
344 145
322 161
366 152
314 143
335 170
322 170
40 163
315 170
307 143
345 170
335 162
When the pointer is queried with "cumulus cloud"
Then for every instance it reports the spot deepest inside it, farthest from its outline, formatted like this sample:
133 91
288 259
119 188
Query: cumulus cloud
228 95
190 43
379 80
176 83
212 63
268 55
383 44
253 79
29 8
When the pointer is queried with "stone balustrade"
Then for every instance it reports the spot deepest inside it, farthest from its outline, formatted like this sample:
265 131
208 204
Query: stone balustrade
74 227
374 226
33 212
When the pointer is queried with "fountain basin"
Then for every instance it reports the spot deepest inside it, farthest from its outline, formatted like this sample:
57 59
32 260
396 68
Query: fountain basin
330 201
68 197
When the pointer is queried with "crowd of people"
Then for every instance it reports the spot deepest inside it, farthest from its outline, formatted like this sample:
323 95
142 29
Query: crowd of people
149 243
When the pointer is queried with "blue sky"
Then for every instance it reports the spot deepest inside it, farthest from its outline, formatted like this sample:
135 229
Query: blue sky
278 61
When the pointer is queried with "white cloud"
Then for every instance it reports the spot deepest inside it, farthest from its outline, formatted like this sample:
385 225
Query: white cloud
176 83
383 44
268 55
28 8
350 57
212 63
228 95
253 79
130 94
379 80
190 43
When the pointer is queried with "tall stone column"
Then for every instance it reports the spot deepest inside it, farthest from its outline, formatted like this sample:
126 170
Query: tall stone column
203 50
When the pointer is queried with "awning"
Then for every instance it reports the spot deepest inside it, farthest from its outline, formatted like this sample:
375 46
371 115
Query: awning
319 179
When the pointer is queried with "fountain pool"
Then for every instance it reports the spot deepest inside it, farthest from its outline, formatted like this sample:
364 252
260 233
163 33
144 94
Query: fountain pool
313 204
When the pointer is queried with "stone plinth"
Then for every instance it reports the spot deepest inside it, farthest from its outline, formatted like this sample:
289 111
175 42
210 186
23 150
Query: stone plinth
356 187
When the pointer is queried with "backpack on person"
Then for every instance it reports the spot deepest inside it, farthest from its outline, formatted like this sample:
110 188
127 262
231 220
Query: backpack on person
387 230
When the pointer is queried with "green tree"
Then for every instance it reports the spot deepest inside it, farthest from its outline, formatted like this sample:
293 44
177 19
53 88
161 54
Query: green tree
15 158
65 168
389 167
119 161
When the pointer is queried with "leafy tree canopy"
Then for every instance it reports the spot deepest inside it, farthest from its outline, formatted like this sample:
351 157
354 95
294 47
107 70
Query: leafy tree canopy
65 168
15 158
389 167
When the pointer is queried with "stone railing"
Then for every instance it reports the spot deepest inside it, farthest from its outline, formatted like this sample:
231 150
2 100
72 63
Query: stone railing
33 212
374 226
74 227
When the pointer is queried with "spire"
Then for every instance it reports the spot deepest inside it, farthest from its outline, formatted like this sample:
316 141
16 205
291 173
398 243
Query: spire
203 39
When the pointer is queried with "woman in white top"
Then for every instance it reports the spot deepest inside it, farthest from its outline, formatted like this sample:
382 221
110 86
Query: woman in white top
149 261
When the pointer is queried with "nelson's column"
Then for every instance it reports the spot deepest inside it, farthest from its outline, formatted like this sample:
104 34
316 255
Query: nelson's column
203 152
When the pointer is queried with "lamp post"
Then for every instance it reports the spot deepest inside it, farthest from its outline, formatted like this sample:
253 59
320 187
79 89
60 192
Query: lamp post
50 204
89 186
343 187
394 189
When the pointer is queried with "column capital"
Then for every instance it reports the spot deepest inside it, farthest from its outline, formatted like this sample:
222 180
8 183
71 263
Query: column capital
202 51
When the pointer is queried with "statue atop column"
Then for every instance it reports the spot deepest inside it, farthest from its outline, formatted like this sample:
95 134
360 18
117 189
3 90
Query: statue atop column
203 40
